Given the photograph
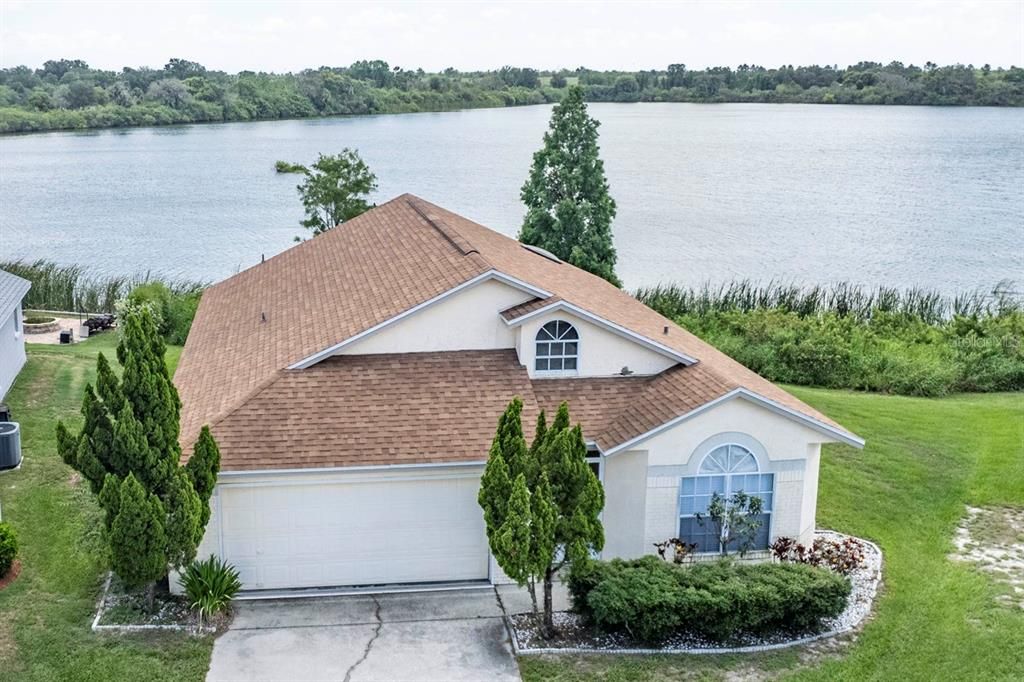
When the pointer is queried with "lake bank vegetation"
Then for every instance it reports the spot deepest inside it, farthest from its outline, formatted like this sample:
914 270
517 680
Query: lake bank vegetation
910 342
68 94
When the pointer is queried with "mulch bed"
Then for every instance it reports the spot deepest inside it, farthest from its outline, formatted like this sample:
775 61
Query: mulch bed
12 574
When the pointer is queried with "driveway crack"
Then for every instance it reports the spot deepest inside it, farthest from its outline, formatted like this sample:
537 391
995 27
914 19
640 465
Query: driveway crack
369 643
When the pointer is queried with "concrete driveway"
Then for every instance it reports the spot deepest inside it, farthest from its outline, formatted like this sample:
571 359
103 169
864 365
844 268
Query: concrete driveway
449 635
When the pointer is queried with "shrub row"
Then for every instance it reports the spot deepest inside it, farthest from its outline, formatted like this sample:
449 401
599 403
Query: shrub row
8 548
652 599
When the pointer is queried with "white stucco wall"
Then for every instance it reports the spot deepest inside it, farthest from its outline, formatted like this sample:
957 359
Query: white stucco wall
602 353
783 447
467 320
12 350
624 518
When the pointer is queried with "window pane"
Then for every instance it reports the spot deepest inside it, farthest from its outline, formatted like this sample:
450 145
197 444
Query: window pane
690 530
704 484
596 468
542 364
543 349
687 485
562 328
570 363
570 348
686 505
558 349
570 333
556 363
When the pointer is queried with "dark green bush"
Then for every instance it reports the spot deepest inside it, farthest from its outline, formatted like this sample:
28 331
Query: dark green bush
651 599
8 548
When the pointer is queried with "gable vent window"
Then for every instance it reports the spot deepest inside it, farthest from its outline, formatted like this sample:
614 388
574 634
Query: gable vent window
558 347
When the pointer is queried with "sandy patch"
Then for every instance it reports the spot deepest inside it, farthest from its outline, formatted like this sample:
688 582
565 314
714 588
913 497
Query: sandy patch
993 540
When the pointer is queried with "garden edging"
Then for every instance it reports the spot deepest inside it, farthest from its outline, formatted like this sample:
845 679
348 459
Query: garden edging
871 591
125 627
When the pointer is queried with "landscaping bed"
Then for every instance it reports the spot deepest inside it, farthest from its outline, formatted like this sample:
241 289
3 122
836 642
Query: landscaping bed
576 635
124 609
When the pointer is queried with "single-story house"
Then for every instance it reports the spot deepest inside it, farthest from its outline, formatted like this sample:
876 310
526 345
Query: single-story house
354 383
12 334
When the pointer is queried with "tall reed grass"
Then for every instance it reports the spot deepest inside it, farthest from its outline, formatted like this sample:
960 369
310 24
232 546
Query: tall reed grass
73 288
842 298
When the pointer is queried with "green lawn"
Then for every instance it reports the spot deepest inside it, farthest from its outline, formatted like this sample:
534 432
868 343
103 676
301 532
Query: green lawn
45 614
936 620
925 459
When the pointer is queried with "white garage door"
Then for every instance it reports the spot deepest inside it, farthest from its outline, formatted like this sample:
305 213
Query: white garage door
366 532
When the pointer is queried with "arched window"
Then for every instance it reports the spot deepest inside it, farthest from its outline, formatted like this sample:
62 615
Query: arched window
726 470
558 347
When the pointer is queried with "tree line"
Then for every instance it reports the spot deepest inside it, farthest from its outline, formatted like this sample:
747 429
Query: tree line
69 94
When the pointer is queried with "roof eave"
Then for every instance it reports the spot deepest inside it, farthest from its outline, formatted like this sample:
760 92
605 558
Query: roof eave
838 434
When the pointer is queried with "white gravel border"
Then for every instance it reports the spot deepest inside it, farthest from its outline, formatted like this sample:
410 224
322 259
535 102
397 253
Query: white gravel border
101 607
864 581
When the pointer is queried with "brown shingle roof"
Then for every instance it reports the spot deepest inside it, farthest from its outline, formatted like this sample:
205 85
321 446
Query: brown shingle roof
528 307
358 410
251 327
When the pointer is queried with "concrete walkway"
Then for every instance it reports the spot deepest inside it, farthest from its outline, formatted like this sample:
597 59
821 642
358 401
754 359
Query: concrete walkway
450 635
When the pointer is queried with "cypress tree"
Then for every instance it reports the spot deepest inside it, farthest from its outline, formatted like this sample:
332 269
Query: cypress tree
569 211
565 500
110 500
203 467
184 513
512 541
137 541
131 432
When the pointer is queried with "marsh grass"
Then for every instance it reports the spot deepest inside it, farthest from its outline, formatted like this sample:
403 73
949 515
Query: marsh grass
73 288
842 298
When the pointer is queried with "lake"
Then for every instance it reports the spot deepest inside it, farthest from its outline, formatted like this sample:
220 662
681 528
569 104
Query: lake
906 196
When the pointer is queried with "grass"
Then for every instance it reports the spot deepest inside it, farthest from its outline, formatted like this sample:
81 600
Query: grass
936 619
45 614
925 459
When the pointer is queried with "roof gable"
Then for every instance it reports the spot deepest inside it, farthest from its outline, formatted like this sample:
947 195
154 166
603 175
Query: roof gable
299 307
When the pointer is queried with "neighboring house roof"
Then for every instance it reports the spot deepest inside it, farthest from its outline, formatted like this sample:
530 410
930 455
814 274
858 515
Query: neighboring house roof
292 309
12 290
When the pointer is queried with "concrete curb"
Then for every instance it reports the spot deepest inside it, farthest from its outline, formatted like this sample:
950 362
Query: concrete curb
520 651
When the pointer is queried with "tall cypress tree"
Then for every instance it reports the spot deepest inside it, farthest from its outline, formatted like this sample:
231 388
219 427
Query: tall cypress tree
131 432
569 211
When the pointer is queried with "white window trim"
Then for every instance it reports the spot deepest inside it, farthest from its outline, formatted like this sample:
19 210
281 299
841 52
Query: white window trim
557 373
760 471
565 306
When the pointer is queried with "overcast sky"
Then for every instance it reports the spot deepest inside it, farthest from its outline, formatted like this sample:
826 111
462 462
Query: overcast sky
288 36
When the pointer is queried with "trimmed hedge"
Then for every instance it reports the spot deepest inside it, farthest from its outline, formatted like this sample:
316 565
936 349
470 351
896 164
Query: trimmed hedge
652 599
8 548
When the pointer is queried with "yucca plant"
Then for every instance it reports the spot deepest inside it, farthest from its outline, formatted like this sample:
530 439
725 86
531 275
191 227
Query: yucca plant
210 585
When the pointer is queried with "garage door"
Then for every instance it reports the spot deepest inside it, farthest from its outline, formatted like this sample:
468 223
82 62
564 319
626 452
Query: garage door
367 532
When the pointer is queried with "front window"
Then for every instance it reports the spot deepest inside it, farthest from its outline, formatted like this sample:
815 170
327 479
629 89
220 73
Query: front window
726 470
558 347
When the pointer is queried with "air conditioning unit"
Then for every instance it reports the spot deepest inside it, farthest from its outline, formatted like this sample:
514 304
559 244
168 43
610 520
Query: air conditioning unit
10 445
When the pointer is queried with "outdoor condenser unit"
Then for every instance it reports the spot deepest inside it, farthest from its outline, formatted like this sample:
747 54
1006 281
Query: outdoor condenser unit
10 445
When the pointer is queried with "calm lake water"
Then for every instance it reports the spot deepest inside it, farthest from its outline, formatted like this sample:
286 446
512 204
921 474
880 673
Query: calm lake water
894 195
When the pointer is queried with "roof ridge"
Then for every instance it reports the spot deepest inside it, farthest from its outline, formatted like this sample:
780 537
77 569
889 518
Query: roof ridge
452 235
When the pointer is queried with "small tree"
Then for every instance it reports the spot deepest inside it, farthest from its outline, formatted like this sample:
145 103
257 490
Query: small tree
137 540
548 514
735 520
569 211
335 189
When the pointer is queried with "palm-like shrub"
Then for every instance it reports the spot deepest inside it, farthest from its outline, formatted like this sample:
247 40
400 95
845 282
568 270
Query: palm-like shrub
210 585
